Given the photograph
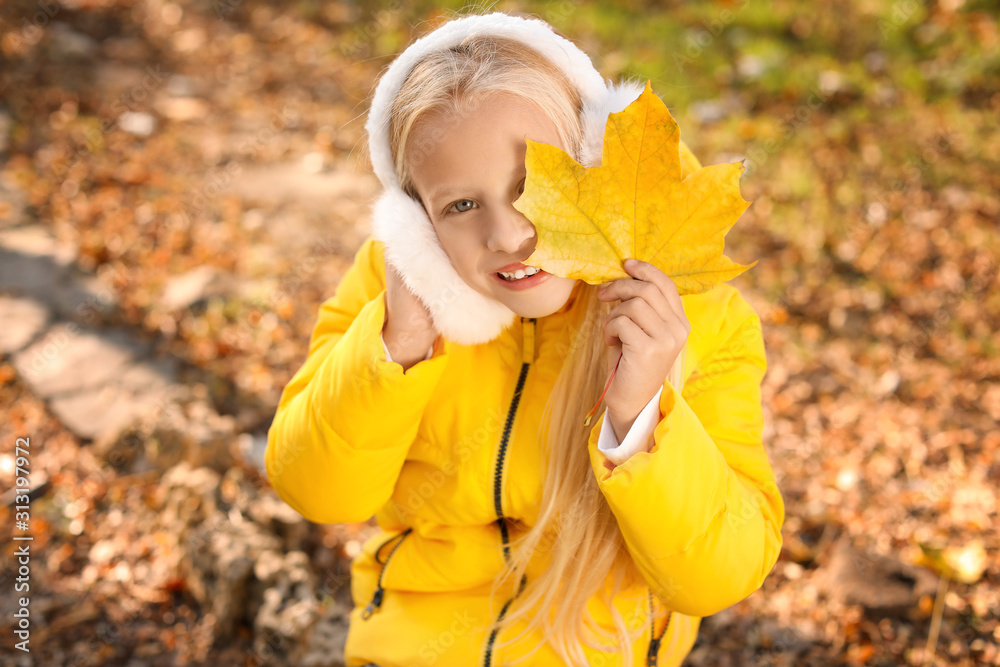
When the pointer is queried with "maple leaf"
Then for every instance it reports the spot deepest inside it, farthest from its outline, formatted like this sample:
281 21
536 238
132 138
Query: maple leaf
637 203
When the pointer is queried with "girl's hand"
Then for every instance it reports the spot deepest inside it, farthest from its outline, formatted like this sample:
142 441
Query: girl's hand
408 329
648 328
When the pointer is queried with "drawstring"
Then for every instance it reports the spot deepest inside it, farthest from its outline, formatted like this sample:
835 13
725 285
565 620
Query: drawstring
376 600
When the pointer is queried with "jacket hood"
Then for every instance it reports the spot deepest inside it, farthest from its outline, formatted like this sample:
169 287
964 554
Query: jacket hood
460 313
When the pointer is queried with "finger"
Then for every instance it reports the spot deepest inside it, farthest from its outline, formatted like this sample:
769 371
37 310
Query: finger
644 315
630 288
609 291
627 331
667 335
650 273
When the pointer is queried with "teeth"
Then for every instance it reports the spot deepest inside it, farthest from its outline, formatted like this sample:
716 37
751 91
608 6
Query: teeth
520 273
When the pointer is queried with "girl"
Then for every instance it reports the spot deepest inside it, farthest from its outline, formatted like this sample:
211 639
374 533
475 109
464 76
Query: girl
447 383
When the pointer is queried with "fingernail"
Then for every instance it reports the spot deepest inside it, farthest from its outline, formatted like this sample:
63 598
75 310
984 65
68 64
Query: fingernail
630 262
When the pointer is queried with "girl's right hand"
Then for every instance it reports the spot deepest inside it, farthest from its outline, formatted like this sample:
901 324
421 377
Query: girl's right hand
408 330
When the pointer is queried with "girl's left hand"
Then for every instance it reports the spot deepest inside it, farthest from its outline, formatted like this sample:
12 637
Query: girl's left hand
648 328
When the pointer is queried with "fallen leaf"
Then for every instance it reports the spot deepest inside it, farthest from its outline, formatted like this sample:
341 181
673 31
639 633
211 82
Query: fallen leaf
637 203
965 563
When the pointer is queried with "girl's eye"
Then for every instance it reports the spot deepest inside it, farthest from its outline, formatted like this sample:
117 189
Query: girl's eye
463 205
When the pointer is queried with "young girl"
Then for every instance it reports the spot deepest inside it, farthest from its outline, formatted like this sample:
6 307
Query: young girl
447 384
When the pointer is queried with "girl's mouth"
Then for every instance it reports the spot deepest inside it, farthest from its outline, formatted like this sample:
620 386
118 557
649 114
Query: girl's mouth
523 283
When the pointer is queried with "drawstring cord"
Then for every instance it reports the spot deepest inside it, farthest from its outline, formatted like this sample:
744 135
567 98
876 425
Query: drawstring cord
376 600
586 422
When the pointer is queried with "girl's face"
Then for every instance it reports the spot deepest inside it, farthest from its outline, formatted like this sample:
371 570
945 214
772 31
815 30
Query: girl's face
468 170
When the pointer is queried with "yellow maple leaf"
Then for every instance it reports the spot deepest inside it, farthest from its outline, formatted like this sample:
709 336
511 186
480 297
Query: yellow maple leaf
964 563
637 203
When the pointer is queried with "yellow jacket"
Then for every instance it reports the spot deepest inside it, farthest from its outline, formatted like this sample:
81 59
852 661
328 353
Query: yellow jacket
445 457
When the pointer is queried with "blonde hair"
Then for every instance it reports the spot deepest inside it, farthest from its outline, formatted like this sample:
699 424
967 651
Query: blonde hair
451 82
588 545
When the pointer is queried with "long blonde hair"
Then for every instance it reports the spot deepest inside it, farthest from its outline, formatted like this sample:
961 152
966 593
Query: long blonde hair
576 530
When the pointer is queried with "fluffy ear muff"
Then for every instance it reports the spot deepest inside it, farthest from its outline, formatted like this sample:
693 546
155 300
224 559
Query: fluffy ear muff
460 313
594 118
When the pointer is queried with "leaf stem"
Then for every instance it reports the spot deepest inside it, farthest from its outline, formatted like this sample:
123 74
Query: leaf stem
932 637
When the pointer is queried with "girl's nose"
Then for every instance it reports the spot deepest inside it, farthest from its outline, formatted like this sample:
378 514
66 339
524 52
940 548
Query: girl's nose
510 232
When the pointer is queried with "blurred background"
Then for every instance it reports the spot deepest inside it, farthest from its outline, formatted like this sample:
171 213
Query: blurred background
182 183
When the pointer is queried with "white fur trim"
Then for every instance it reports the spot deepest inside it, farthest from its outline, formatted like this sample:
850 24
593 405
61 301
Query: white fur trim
460 313
594 118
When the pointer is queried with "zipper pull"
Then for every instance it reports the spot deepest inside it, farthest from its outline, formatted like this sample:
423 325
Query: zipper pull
527 340
654 648
374 604
654 642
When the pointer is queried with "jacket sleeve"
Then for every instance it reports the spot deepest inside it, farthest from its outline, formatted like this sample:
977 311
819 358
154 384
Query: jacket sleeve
347 418
639 437
388 356
700 512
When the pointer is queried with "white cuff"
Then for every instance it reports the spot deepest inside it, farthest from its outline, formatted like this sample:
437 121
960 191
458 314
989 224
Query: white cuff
388 358
638 437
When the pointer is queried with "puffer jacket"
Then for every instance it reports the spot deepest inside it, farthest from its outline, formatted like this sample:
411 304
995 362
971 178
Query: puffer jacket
445 456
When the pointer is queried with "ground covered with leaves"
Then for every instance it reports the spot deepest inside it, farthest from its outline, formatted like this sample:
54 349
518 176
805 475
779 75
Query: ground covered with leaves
204 161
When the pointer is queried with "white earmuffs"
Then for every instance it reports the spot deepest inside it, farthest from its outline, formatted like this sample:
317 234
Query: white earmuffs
460 313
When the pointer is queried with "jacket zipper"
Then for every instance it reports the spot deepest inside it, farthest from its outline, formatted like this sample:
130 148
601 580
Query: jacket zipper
376 600
527 357
652 655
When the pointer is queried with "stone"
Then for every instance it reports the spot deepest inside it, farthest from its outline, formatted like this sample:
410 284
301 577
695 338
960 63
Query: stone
222 543
182 427
288 610
83 298
97 383
882 585
281 520
139 123
185 289
23 321
326 640
71 359
32 262
110 409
